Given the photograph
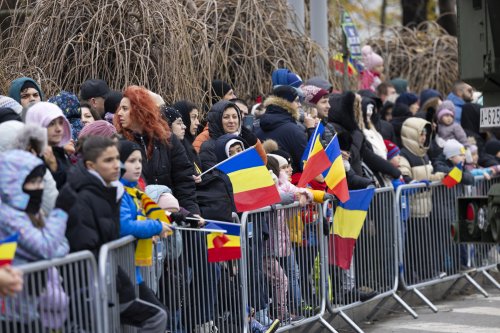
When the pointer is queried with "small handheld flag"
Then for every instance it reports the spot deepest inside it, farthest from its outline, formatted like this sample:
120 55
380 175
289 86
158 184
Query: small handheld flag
317 162
335 176
319 130
253 187
348 221
224 245
8 248
454 176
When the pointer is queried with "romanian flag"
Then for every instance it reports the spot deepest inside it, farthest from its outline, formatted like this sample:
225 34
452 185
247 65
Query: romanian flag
337 63
317 162
348 220
453 177
8 248
319 130
224 245
253 187
335 176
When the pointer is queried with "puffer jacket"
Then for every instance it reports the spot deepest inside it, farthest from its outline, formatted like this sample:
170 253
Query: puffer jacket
279 124
33 243
415 164
170 166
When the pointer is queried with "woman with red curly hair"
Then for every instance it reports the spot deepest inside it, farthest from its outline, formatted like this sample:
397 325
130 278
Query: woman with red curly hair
164 159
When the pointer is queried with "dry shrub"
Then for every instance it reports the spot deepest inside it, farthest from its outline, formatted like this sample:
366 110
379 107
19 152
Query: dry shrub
426 56
174 48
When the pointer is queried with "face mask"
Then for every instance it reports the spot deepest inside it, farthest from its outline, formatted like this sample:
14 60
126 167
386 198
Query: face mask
35 201
347 165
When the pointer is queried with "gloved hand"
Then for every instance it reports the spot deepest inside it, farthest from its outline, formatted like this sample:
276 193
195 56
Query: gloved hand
67 197
424 181
328 196
248 136
178 218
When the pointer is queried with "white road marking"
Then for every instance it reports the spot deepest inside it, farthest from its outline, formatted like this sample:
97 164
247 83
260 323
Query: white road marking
480 310
440 327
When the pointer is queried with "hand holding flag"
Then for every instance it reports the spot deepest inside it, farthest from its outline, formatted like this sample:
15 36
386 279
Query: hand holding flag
454 176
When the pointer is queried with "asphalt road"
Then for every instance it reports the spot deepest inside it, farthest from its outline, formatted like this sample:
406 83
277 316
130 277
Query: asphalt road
458 314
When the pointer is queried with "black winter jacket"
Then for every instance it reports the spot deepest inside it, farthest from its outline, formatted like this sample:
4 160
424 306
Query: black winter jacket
444 165
279 124
94 218
170 166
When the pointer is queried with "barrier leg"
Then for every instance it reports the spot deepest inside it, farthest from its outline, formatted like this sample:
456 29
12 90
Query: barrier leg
327 325
405 305
491 279
476 285
425 300
350 322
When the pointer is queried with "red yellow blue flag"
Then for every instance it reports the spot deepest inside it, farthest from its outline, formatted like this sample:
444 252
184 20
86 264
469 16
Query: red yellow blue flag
335 176
319 130
454 176
8 248
348 221
317 162
253 187
224 245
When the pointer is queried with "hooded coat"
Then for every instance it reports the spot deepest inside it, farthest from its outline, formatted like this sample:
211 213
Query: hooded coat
208 157
415 164
95 218
400 113
279 123
17 84
343 116
33 243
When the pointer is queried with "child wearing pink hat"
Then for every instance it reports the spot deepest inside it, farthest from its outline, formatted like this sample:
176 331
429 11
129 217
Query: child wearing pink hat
374 66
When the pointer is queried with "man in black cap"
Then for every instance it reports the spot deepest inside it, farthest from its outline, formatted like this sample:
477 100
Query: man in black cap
94 92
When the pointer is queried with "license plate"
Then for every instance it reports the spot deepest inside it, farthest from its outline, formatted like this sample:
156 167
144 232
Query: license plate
490 117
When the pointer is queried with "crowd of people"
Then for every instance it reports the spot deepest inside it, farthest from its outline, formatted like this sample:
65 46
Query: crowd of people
74 170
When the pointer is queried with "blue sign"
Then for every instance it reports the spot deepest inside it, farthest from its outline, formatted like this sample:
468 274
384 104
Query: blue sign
353 41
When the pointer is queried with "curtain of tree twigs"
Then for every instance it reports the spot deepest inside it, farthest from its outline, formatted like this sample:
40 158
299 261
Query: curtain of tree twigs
427 56
174 48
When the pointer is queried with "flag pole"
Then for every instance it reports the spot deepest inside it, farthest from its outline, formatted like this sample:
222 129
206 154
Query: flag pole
227 159
209 220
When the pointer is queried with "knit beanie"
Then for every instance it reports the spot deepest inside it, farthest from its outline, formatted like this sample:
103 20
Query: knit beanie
281 160
446 104
407 99
98 128
168 202
283 154
392 149
155 191
313 94
492 147
43 113
284 77
427 94
473 149
126 148
10 103
452 148
170 114
219 89
370 58
444 112
401 85
286 92
112 101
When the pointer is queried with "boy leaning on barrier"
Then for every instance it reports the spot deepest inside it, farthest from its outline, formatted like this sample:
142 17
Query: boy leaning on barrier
454 154
94 220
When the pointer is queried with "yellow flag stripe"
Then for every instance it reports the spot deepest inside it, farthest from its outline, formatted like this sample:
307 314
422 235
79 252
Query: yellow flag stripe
456 174
8 250
250 179
348 223
336 173
234 241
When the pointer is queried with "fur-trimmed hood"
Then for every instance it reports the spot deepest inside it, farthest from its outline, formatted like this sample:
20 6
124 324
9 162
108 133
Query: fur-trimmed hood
283 104
345 110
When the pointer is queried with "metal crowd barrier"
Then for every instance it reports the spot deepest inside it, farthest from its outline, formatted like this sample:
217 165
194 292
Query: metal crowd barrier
284 247
373 274
112 256
427 253
59 295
